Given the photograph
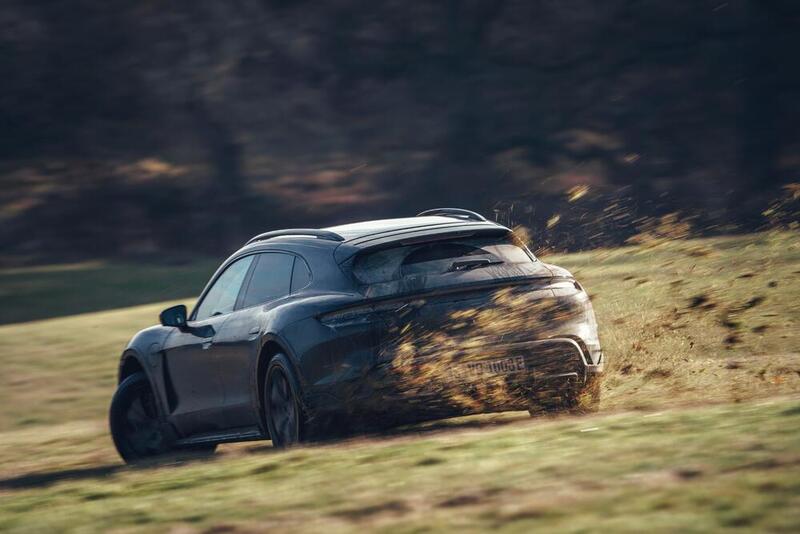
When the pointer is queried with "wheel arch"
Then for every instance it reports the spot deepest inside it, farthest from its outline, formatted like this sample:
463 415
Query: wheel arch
130 364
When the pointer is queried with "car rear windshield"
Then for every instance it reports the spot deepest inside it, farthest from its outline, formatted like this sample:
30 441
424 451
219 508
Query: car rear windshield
439 257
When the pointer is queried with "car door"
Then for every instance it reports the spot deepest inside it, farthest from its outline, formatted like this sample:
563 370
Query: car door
197 392
236 346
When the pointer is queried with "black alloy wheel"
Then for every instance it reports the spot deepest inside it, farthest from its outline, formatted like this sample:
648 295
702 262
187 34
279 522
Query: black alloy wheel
135 425
283 411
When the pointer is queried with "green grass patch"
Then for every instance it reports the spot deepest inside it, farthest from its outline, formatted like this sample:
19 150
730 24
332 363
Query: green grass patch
692 470
29 294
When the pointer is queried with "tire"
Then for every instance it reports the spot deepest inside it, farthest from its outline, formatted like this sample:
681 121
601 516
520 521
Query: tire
284 413
134 421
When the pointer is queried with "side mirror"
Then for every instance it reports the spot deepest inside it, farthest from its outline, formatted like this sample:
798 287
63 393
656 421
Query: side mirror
174 316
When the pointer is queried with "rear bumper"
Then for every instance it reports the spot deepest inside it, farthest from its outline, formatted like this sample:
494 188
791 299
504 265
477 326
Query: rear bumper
544 358
428 383
567 351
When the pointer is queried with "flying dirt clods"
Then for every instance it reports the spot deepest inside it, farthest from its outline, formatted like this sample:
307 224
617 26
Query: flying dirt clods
450 364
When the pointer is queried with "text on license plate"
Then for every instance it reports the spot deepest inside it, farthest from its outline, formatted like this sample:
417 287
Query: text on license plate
500 366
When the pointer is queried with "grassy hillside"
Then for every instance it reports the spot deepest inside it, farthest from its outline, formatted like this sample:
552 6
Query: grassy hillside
697 320
690 471
29 294
684 324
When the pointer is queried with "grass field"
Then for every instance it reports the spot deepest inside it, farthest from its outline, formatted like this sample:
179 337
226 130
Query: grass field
697 426
28 294
684 470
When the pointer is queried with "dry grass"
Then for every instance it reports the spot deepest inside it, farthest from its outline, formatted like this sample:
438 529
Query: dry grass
64 369
711 320
683 324
680 470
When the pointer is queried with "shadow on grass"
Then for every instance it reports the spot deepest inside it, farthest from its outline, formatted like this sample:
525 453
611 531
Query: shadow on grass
38 480
47 478
443 425
371 430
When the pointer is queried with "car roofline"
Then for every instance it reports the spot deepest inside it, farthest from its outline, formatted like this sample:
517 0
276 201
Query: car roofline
297 232
434 228
347 249
438 221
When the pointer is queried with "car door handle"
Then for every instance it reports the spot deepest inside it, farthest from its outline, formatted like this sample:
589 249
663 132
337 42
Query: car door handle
254 330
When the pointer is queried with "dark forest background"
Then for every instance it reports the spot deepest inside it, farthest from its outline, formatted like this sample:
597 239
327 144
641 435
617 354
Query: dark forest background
140 127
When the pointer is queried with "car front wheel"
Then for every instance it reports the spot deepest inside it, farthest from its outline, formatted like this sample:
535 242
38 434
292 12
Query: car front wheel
134 421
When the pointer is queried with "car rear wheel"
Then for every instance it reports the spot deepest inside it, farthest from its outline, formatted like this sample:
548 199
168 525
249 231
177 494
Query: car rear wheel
284 412
135 426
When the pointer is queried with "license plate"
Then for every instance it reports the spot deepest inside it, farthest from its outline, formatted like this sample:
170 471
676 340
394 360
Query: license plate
484 368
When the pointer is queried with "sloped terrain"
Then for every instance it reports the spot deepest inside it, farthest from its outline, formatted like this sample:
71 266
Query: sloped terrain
690 470
697 426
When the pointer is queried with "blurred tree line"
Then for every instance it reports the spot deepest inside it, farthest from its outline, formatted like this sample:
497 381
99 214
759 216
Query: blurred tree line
138 127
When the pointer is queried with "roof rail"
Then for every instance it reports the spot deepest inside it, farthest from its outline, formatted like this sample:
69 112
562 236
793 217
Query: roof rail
458 213
309 232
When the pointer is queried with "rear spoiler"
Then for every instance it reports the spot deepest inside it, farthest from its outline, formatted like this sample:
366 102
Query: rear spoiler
400 238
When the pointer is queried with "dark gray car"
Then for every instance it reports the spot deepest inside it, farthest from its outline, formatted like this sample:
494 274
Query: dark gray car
309 333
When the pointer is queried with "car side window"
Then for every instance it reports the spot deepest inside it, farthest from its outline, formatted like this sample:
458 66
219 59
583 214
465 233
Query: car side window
270 279
221 298
301 275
